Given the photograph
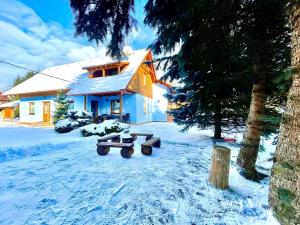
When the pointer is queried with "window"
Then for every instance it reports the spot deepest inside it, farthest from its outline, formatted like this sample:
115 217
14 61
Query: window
31 108
115 106
97 73
111 71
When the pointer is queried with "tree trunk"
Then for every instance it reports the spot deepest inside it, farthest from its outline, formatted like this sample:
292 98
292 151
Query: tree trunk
284 196
251 139
218 121
219 170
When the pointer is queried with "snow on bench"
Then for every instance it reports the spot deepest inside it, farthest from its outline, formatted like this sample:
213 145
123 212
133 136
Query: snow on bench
127 150
112 137
147 146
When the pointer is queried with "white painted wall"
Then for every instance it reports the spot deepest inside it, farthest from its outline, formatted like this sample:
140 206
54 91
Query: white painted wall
38 115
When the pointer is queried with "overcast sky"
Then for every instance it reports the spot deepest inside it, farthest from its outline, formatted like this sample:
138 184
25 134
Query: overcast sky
38 34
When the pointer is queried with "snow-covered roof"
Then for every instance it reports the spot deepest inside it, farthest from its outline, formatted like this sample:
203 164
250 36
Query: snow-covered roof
110 83
3 98
72 76
9 104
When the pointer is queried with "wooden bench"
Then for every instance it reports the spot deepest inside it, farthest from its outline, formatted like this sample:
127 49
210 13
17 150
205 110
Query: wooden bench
127 150
112 137
147 146
134 136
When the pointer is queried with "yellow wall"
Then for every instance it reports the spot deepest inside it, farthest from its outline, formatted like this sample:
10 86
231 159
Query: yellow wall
7 114
141 82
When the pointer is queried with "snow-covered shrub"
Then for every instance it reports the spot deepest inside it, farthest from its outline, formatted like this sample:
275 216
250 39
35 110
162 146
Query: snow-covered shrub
73 114
74 120
107 127
82 117
66 125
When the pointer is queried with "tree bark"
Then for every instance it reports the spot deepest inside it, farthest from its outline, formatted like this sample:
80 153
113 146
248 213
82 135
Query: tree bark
219 170
251 139
218 121
284 195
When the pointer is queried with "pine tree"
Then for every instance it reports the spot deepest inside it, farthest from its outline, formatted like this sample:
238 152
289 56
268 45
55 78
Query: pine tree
284 196
266 35
62 106
212 71
99 19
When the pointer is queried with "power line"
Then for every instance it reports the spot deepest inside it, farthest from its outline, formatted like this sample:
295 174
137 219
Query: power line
24 68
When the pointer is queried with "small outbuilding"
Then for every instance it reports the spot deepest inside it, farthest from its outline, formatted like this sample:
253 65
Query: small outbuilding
3 99
7 110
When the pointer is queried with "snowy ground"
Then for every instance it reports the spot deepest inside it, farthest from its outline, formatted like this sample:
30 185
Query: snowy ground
49 178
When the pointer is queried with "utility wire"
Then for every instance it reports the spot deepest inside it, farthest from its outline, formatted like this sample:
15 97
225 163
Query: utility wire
36 72
11 64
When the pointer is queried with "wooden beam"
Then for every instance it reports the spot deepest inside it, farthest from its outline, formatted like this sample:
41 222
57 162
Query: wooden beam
106 66
121 105
84 102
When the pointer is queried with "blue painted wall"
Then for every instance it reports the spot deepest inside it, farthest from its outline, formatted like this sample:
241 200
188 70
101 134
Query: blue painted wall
142 109
160 103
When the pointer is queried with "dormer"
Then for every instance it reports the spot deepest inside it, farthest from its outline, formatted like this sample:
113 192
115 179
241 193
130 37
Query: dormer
106 70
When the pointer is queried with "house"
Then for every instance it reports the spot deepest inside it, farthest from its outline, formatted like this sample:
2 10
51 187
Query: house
120 88
3 98
7 110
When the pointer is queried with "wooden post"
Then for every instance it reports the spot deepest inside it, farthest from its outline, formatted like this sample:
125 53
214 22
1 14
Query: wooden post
121 105
219 171
84 102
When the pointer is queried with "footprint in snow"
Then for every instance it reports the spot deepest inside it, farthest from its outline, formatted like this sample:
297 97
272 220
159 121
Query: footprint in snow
30 173
97 208
46 202
251 211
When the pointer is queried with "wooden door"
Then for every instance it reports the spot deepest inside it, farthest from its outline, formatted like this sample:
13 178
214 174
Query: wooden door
46 112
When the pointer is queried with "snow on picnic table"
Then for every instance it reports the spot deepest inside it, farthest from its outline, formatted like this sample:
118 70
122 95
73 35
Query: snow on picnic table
49 178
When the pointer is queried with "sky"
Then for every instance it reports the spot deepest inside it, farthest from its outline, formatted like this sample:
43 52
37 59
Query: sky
38 34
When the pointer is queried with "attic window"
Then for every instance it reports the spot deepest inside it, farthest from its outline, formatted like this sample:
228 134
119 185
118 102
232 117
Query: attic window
111 71
98 73
106 70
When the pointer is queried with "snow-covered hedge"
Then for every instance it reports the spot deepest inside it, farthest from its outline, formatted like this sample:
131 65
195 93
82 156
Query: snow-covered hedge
66 125
104 128
74 120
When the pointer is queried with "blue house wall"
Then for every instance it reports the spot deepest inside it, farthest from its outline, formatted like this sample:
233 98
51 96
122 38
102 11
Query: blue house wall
141 109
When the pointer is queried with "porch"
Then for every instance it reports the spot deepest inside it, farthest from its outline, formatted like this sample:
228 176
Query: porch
105 106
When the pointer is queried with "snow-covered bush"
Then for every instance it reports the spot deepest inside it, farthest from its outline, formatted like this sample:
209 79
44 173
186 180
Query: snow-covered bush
107 127
66 125
74 120
82 117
